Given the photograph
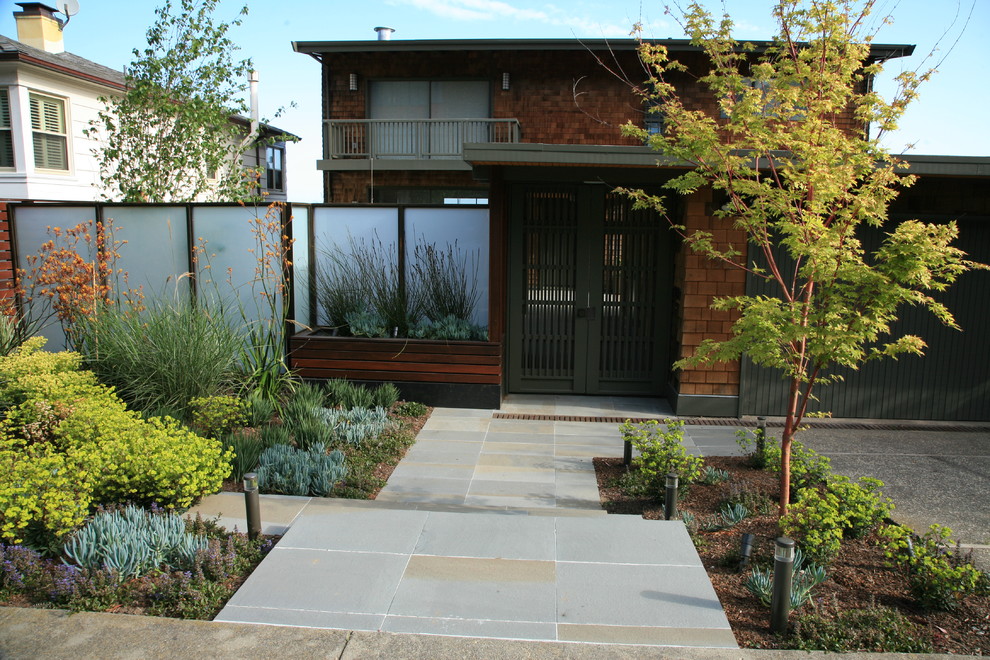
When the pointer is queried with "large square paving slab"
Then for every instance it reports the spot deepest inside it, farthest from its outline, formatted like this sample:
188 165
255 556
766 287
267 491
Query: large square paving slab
613 579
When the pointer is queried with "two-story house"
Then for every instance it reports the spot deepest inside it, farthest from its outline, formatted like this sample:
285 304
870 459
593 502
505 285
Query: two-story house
588 296
48 97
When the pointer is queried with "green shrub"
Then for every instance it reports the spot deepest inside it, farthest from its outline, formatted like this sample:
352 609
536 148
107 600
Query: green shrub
660 452
246 448
808 468
754 445
815 521
117 455
938 574
170 353
411 409
385 396
292 471
871 630
44 493
308 395
821 517
275 434
310 431
216 415
863 505
347 395
258 408
132 542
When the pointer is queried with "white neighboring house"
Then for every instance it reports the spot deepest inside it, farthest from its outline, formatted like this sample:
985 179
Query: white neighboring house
48 97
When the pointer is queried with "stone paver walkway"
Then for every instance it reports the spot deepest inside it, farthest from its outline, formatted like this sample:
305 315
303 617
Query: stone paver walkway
488 528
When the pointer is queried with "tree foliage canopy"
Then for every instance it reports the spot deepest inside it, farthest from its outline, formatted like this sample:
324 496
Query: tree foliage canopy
790 152
169 137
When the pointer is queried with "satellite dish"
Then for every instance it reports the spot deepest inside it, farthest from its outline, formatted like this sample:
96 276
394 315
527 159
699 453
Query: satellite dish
68 7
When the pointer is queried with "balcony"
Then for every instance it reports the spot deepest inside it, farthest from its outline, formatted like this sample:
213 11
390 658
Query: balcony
428 144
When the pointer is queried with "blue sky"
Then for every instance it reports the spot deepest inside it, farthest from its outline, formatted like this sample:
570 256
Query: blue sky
947 119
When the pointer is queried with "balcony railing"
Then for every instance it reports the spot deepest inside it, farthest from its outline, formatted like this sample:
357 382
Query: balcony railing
415 139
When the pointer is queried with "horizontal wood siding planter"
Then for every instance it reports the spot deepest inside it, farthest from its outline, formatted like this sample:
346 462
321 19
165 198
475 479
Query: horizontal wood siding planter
319 356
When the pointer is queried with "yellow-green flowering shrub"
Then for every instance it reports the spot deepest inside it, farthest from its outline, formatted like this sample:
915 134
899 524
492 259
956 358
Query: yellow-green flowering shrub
43 494
137 460
61 420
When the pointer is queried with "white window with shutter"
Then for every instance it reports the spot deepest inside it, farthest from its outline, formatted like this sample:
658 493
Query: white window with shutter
48 130
6 132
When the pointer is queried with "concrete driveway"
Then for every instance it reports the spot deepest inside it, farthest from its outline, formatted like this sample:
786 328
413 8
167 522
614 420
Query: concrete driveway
933 476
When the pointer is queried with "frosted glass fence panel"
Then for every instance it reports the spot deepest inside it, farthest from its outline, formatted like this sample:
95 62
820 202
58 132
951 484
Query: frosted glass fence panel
465 233
156 254
300 264
346 228
228 269
31 226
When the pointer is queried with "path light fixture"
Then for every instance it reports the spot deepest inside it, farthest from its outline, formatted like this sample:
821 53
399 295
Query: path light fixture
746 550
252 502
783 573
627 452
761 436
670 498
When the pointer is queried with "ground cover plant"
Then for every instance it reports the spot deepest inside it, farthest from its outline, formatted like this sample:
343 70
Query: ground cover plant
134 561
340 439
861 586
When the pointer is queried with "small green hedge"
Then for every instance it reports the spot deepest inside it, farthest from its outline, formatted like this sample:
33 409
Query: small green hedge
68 442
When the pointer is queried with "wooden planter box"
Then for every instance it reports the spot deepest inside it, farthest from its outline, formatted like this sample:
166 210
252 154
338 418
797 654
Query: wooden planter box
435 372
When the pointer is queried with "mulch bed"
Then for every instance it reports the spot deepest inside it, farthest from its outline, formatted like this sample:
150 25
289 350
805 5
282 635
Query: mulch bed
856 579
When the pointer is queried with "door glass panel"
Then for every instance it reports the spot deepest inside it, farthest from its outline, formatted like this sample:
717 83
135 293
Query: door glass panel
549 261
629 291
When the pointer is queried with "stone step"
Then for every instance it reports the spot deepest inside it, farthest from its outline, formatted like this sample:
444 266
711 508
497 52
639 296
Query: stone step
367 566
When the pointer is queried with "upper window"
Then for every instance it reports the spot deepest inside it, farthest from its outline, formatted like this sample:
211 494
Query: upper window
654 120
274 168
49 133
429 99
6 132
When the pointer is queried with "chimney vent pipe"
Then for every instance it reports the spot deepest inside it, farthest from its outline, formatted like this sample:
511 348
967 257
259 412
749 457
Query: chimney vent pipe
384 33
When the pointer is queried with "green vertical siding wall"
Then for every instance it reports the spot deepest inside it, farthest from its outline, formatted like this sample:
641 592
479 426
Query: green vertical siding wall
951 381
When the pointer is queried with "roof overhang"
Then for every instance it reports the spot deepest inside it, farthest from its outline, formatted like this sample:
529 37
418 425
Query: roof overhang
317 48
529 154
958 166
487 155
24 58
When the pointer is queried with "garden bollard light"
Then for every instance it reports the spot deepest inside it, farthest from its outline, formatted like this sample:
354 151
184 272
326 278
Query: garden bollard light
746 550
783 572
252 502
627 453
670 499
761 436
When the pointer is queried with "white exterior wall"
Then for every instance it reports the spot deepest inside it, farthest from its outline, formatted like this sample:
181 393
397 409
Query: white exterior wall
80 182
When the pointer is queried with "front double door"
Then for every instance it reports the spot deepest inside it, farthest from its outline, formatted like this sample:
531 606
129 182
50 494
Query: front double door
589 292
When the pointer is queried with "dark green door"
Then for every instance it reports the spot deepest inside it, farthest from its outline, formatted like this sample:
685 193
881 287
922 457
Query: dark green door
589 288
